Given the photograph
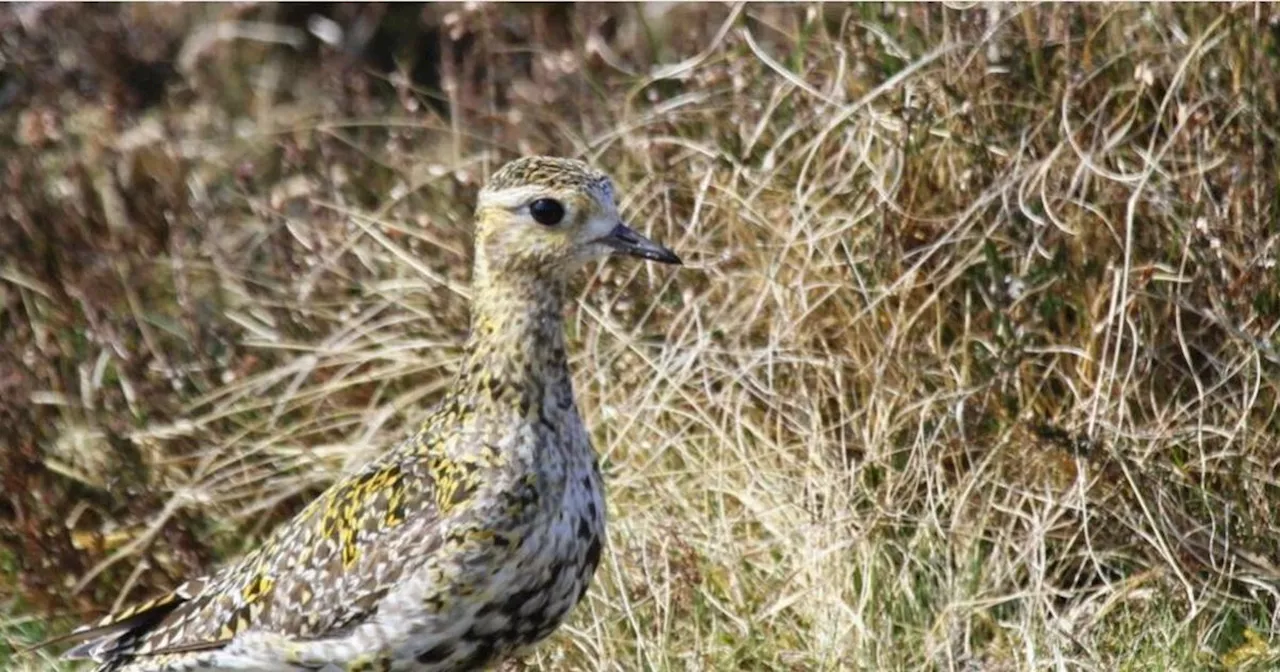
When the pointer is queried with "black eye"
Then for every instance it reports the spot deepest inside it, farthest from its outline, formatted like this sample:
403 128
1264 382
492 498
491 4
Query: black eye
546 211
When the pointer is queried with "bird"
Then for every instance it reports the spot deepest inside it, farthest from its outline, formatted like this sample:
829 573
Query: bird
469 542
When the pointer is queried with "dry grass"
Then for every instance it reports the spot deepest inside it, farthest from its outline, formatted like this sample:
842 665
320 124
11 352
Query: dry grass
972 365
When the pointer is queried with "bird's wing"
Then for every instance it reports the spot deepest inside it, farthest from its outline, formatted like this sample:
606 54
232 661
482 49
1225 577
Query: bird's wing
316 576
101 637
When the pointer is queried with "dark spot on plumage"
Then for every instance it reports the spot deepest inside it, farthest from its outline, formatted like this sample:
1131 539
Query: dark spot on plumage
482 656
487 610
545 630
593 553
591 510
238 617
300 595
587 483
584 530
455 407
461 494
436 654
517 600
367 602
564 397
520 497
539 616
497 387
528 398
458 536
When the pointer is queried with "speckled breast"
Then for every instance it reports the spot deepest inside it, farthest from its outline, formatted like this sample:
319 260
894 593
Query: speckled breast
549 576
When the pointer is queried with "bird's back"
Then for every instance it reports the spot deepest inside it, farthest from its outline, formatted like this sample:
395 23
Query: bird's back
317 575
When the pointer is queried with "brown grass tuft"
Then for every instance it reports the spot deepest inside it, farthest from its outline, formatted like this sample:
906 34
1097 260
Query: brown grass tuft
972 365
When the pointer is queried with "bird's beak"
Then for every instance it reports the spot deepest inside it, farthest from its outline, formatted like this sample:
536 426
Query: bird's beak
625 240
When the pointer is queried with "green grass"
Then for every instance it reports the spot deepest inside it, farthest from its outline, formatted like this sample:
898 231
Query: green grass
971 365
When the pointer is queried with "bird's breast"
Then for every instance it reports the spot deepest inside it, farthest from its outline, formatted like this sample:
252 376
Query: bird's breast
552 554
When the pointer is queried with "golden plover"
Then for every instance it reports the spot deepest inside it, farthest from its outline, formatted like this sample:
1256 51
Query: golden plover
464 545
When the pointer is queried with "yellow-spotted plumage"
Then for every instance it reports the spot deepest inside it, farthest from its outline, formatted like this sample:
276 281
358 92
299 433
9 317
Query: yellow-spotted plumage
468 542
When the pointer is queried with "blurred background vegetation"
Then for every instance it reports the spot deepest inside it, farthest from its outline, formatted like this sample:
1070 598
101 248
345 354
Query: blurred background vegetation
973 364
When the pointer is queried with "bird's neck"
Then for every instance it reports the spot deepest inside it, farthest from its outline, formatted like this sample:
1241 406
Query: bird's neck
516 351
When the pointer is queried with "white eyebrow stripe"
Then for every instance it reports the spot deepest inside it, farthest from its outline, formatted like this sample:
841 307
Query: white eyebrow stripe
509 198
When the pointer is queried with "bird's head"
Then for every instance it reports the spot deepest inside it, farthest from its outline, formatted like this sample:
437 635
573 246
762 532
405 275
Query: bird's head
541 217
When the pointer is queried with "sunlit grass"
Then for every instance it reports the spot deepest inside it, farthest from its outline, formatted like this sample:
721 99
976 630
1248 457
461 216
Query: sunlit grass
970 366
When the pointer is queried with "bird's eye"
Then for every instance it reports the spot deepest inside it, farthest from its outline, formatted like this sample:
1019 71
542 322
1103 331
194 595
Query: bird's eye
546 211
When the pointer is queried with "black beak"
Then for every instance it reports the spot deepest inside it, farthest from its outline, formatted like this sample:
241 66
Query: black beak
626 241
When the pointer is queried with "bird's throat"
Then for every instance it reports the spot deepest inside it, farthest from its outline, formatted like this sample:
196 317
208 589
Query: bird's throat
516 350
